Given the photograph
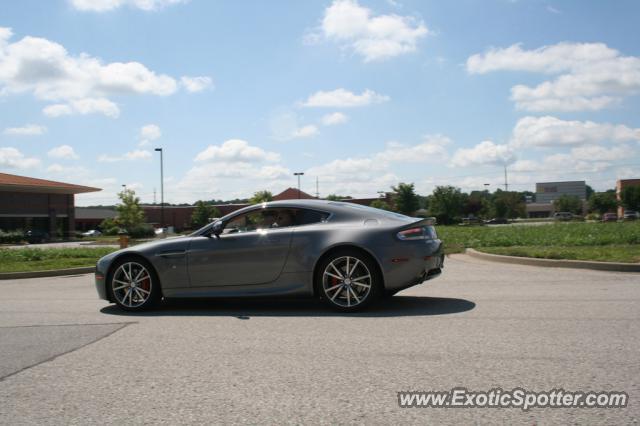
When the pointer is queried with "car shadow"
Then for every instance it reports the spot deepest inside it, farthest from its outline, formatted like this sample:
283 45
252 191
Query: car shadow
397 306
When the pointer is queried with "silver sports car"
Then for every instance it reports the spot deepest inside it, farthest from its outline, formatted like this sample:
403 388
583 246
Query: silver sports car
346 254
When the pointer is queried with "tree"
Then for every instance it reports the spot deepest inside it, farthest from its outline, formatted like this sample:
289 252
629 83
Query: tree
334 197
261 197
568 203
603 202
508 205
446 204
202 214
405 198
381 204
630 198
130 214
590 191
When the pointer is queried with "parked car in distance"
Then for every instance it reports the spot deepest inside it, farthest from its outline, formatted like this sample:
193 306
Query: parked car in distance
563 216
92 233
35 236
345 254
472 220
631 215
609 217
496 221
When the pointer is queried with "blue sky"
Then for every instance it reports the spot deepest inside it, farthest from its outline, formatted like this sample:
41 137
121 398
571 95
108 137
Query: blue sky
361 95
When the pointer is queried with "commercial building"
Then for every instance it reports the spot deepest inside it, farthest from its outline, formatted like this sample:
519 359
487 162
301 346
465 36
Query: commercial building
37 204
620 185
548 192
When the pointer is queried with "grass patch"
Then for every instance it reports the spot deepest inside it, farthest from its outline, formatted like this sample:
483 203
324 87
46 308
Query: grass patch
608 242
609 253
555 235
35 259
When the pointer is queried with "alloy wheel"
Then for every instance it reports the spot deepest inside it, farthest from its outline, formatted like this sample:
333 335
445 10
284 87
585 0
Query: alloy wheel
346 282
131 285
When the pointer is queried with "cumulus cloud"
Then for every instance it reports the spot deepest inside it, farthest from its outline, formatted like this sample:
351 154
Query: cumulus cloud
590 76
334 119
484 153
79 84
550 131
373 37
432 149
235 150
12 158
63 152
196 84
108 5
307 131
341 98
26 130
83 107
150 132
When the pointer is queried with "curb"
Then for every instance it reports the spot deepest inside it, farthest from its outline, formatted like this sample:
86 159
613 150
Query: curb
553 263
49 273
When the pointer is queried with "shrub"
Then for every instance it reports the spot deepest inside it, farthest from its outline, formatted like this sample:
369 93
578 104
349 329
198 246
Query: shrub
141 231
11 237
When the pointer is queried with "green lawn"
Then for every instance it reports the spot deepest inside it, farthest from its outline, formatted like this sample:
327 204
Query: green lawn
35 259
575 240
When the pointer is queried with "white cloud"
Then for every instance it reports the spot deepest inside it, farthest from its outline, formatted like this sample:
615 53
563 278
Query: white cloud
334 118
484 153
235 150
341 98
150 132
432 149
26 130
356 28
591 76
196 84
12 158
307 131
83 107
108 5
138 154
80 83
601 153
63 152
550 131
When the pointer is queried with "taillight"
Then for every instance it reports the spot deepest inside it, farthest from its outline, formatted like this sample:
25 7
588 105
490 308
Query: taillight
413 234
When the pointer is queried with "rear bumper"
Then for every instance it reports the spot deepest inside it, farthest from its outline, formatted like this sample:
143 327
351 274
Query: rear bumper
418 263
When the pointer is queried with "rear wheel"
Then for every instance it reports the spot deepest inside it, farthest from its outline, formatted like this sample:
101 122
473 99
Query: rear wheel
134 285
348 281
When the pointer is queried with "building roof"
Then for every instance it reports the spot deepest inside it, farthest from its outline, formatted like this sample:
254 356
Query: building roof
292 194
17 183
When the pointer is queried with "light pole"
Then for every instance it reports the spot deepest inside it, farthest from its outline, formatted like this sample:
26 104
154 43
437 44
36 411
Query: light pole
161 189
298 174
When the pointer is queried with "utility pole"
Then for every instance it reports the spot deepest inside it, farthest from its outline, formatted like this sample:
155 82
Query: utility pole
154 196
298 174
317 189
161 189
506 182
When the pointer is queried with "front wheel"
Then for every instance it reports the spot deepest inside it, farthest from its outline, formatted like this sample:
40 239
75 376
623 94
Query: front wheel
133 285
348 281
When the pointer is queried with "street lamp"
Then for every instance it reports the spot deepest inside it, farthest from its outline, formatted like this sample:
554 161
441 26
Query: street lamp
298 174
161 189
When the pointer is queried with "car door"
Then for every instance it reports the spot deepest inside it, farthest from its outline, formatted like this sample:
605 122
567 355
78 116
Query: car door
252 249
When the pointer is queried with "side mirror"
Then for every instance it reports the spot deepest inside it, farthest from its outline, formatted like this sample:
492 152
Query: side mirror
217 227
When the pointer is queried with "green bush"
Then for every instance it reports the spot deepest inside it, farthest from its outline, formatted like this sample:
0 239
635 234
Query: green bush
141 231
11 237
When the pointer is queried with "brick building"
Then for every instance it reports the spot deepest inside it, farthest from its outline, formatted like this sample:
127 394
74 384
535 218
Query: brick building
38 204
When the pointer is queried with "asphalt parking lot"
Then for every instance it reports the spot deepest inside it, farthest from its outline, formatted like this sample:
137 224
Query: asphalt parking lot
68 358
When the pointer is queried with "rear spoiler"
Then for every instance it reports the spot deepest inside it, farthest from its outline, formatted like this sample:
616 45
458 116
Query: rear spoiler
427 221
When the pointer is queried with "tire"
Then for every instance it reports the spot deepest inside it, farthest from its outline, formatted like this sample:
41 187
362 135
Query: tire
133 284
348 290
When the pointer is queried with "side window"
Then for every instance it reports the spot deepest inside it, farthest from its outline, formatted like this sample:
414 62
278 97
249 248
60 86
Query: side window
260 219
307 217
